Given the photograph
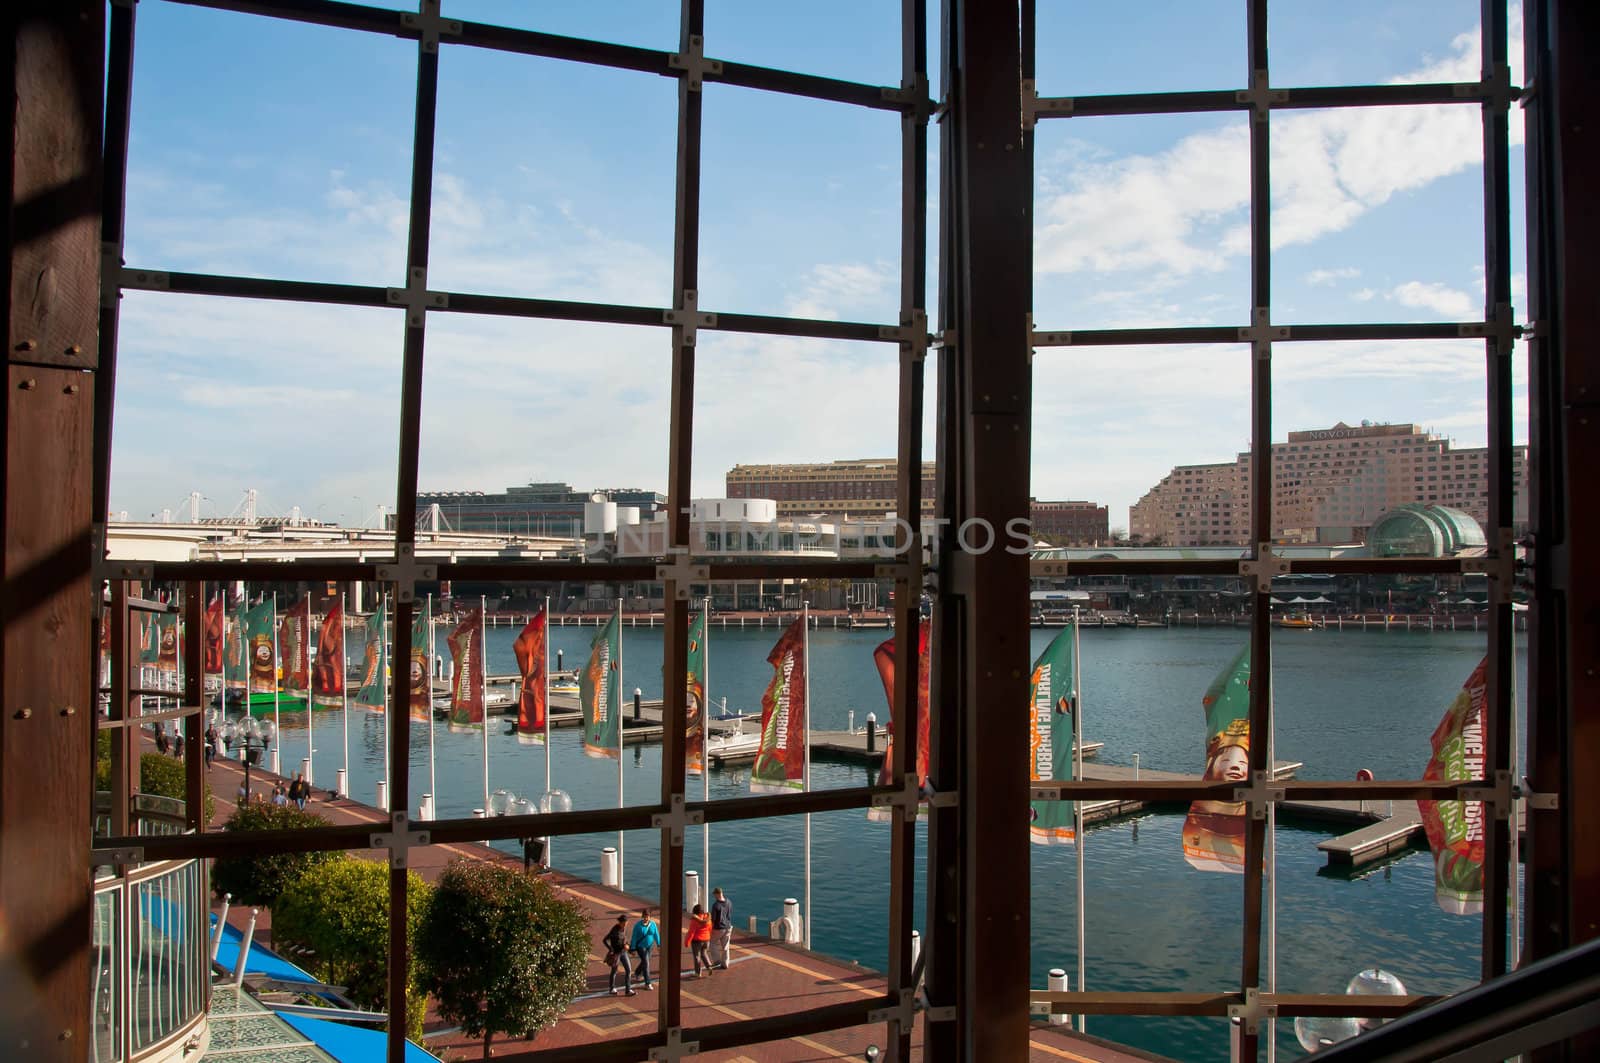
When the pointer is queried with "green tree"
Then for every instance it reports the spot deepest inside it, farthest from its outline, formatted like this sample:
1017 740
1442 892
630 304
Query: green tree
259 880
339 910
500 951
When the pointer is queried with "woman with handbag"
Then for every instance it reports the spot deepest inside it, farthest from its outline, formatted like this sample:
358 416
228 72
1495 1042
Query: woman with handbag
616 943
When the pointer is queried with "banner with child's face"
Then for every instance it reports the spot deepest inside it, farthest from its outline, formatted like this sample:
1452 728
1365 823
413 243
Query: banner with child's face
1213 832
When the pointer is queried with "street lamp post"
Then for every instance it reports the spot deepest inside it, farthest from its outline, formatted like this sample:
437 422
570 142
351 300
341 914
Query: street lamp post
254 738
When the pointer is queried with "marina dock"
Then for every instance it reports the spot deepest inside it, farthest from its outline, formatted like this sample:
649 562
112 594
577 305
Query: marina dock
766 978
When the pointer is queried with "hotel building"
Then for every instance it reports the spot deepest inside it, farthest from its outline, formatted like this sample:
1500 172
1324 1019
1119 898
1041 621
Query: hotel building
1329 485
1070 523
861 487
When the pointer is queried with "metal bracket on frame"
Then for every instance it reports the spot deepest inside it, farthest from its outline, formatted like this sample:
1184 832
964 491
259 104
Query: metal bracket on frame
1500 568
1052 339
1259 96
405 572
677 819
416 298
1262 791
1261 331
681 572
1033 105
110 274
904 1013
108 857
694 62
430 25
676 1047
398 840
909 796
1263 567
690 317
913 336
1252 1011
115 570
1503 328
1496 797
911 95
934 1012
1538 802
1048 568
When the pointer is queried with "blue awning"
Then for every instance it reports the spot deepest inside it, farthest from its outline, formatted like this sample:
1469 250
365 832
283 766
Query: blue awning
262 960
352 1044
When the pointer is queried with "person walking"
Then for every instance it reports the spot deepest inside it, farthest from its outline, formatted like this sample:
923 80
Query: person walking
161 739
721 928
211 742
616 944
299 791
279 798
646 939
698 939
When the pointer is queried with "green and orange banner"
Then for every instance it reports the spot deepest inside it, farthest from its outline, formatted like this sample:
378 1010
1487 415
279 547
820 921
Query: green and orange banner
695 707
419 678
259 646
599 695
1051 711
1213 832
372 692
883 658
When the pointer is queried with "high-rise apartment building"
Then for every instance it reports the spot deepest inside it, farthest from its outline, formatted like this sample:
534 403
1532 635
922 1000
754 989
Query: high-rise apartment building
861 487
1070 523
1329 485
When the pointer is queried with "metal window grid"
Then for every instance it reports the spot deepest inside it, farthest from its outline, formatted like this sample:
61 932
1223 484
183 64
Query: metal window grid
691 68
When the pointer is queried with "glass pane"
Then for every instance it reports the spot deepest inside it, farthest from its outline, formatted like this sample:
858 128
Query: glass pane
642 23
1368 42
1142 221
1159 48
836 38
106 969
230 173
538 201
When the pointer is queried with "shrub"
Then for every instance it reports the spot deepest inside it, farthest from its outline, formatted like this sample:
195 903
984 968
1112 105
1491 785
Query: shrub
500 951
259 880
158 775
339 910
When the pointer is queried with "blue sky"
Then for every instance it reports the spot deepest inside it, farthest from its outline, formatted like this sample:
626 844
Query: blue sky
275 149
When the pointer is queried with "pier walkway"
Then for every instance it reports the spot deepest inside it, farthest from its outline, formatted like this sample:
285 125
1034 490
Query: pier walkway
766 977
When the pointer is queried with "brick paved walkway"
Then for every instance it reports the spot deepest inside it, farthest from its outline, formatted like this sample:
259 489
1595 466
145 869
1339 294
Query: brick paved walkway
766 977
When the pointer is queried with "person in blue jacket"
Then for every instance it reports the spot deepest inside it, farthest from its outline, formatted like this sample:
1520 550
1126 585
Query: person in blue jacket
646 939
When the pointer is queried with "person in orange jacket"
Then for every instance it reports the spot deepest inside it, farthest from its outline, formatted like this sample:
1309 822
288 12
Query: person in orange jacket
698 939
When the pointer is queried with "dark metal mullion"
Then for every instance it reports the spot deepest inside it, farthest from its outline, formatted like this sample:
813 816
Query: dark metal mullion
1260 498
685 281
317 12
811 86
113 220
1197 334
405 531
1501 670
146 279
1224 100
904 713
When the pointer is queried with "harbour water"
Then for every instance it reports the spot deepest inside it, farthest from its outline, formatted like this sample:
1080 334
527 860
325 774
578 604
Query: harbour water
1344 701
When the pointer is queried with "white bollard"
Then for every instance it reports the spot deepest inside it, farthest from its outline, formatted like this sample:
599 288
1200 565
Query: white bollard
222 921
791 914
608 866
851 726
1058 983
244 948
691 890
425 809
305 769
916 948
477 813
341 781
1136 767
383 795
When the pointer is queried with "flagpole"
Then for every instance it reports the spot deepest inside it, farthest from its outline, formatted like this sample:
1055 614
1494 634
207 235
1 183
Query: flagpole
805 657
383 679
344 686
483 689
433 786
1272 871
617 683
1515 876
305 649
1077 806
223 693
549 842
276 687
705 733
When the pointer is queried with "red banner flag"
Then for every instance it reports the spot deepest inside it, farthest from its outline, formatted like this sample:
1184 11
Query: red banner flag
533 652
780 760
1455 828
327 676
883 657
294 637
214 634
466 689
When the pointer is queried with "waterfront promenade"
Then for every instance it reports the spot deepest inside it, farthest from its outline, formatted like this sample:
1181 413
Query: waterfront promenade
766 978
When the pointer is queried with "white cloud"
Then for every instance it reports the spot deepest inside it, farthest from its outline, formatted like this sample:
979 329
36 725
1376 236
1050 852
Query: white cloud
1181 210
1448 303
1364 295
832 288
1329 276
